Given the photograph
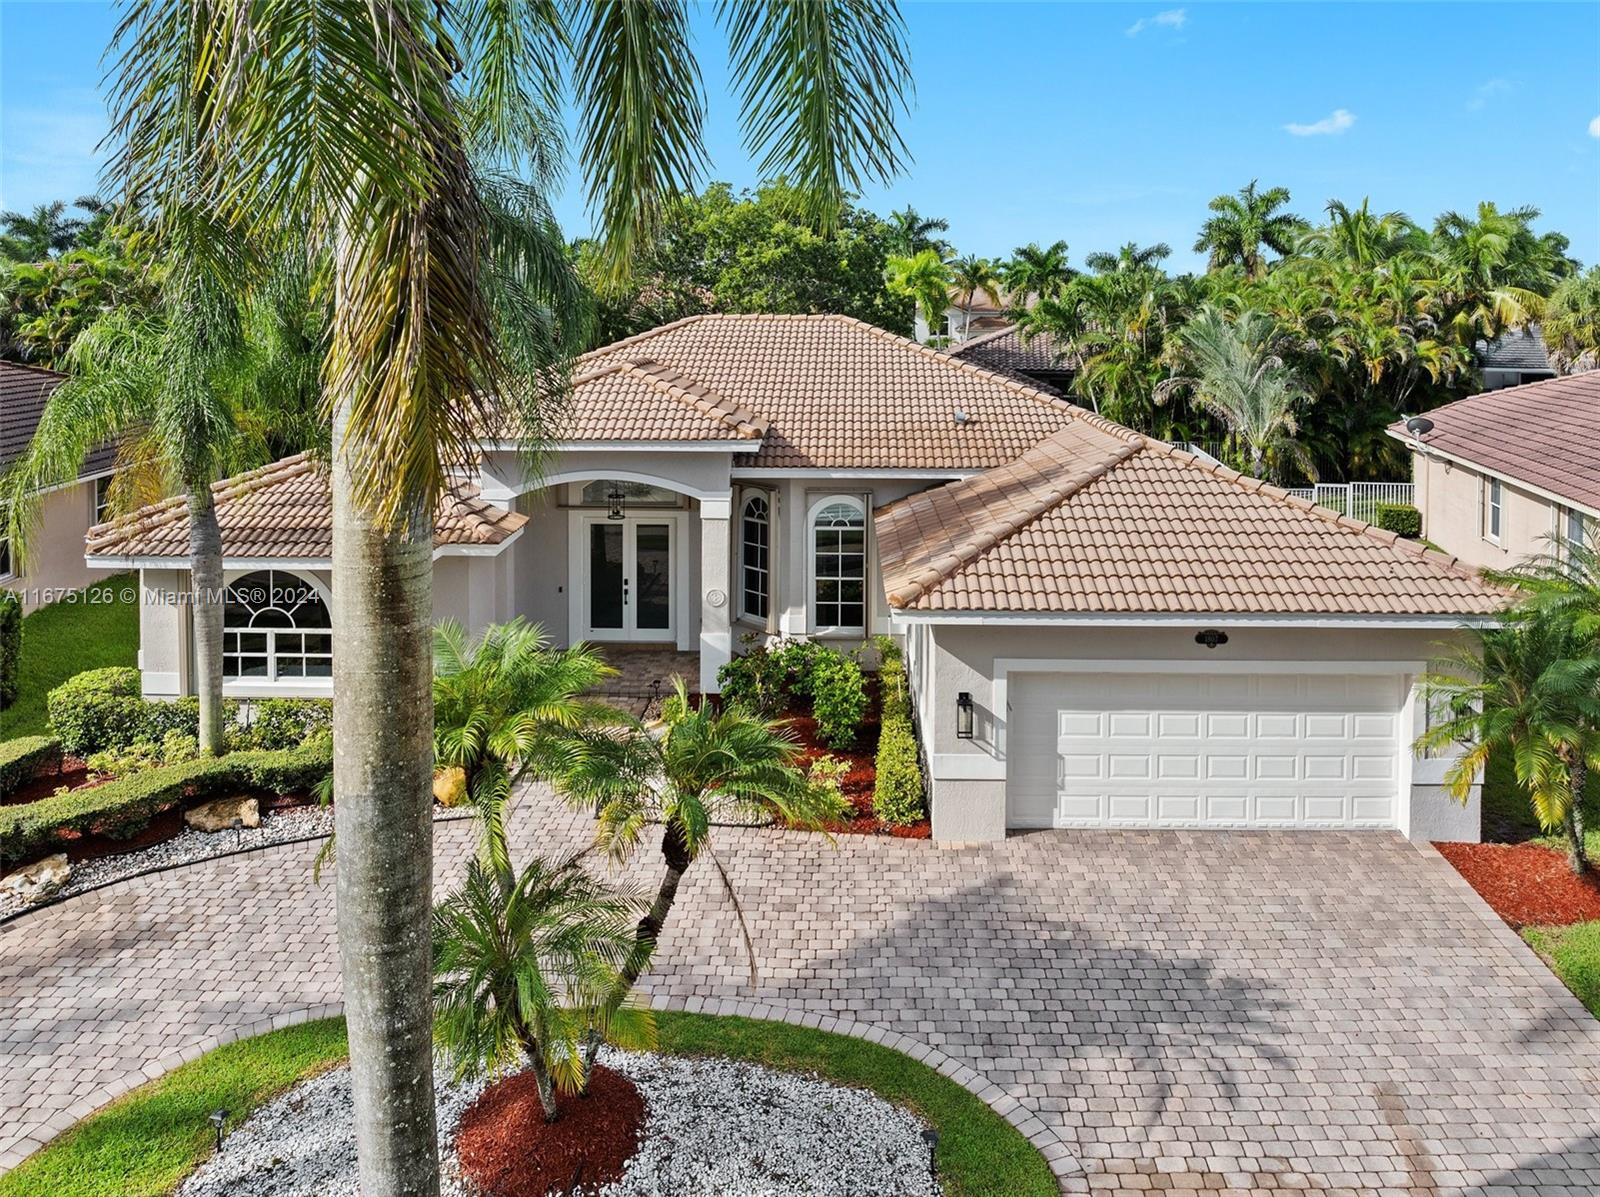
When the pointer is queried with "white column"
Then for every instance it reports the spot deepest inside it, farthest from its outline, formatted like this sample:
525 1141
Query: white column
716 590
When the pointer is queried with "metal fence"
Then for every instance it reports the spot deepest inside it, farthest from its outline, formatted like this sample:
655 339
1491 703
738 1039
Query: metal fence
1359 500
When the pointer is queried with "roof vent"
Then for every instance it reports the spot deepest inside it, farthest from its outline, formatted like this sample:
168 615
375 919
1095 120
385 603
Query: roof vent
961 416
1419 425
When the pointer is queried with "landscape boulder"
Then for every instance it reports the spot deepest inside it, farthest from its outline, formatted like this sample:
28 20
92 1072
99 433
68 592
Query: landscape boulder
224 814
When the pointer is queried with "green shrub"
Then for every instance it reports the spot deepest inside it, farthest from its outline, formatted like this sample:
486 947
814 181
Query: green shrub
1399 517
124 806
826 775
838 698
21 760
754 680
280 723
98 709
897 797
10 647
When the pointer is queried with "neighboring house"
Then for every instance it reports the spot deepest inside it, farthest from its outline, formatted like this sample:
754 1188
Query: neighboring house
1037 359
1515 357
1101 630
1499 475
54 561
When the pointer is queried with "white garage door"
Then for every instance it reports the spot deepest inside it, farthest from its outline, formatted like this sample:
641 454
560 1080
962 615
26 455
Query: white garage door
1203 750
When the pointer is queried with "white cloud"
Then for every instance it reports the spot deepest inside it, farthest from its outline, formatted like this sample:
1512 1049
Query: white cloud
1594 127
1336 121
1172 18
1486 92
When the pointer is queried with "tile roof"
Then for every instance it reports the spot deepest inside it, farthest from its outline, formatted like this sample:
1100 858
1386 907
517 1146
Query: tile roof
24 391
1544 434
644 400
1097 519
1007 350
1514 349
837 393
285 511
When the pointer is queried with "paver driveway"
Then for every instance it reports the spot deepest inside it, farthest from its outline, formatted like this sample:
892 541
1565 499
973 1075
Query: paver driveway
1262 1011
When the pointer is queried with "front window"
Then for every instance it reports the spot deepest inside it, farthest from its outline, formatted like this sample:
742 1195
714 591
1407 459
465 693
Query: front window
1575 531
839 565
1491 508
102 499
756 557
275 626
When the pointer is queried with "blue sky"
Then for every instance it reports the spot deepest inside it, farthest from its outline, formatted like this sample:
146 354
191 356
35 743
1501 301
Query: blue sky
1097 123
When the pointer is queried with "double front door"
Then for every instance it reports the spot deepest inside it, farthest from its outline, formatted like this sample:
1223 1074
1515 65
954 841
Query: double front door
629 578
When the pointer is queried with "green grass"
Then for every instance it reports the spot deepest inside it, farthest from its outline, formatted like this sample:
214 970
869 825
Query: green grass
92 628
146 1142
1574 954
1508 811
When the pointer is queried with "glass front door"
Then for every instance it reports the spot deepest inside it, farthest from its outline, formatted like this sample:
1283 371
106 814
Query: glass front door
629 579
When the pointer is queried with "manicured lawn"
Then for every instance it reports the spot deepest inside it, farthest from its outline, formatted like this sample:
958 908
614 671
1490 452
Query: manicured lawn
95 627
146 1142
1508 812
1574 953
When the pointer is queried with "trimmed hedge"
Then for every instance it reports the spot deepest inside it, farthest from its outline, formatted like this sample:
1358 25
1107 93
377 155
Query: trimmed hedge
102 709
838 698
10 647
22 758
897 796
123 807
1399 517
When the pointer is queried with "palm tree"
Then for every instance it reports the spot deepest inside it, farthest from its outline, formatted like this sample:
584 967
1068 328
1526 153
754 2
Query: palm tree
972 276
1529 688
367 124
1361 237
1571 325
926 278
42 233
1242 226
1130 258
500 704
1494 270
910 233
1041 273
1235 375
525 971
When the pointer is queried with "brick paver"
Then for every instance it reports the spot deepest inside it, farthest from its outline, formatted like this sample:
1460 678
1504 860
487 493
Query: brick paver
1165 1011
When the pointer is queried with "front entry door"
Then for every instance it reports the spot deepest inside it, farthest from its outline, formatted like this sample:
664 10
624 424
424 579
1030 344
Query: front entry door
629 582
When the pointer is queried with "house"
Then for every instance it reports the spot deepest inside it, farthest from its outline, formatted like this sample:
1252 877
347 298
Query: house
1500 475
1515 357
1101 630
55 562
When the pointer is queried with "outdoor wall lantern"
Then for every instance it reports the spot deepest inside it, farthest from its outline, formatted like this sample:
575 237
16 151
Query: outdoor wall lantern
963 716
1211 638
617 500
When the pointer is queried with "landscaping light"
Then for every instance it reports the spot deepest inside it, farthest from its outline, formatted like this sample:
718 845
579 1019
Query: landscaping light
218 1119
963 716
617 500
931 1138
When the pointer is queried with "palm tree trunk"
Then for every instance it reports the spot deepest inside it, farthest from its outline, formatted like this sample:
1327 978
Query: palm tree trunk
206 602
542 1078
383 772
1577 850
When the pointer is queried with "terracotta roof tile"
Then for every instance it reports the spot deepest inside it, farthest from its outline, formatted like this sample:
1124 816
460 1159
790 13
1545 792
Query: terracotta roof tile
284 511
644 400
837 393
1546 434
1093 521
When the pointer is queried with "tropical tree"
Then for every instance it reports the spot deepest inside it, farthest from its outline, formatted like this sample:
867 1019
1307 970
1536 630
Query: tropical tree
1493 270
1571 325
1040 273
1234 373
1360 237
524 972
911 233
926 278
501 704
973 276
1528 688
1131 258
389 130
42 233
1243 225
46 303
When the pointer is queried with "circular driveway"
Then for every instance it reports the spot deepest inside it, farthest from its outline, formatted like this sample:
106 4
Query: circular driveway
1316 1012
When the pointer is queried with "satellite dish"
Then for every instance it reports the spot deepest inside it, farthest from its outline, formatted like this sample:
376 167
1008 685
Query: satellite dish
1419 425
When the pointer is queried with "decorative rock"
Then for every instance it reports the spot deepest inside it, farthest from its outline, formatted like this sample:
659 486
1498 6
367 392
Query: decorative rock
224 814
38 881
450 785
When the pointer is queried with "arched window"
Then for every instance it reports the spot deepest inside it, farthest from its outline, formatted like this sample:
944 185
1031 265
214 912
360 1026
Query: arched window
275 625
755 559
839 565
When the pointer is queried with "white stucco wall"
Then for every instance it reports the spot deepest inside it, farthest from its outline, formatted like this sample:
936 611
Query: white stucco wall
53 563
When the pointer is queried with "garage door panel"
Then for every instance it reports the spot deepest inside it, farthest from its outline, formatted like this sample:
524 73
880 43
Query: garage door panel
1198 750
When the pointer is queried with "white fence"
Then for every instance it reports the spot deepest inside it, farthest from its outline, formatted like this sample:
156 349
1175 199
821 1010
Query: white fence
1359 500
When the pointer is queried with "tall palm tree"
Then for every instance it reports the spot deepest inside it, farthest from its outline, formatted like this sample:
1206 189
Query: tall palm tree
1234 373
973 276
1571 327
1494 269
367 123
1032 271
1242 226
47 230
1362 237
925 277
1129 258
910 233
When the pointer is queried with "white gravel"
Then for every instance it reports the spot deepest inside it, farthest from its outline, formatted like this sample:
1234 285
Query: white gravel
713 1128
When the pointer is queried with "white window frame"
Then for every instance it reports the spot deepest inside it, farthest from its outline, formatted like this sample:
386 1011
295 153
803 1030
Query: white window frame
1574 526
817 627
102 495
765 571
1492 500
273 682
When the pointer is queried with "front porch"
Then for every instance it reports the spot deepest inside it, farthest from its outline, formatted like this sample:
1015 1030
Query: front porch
647 670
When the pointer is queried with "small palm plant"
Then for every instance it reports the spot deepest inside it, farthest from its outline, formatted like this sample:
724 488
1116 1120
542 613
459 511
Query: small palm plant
1529 688
529 974
501 705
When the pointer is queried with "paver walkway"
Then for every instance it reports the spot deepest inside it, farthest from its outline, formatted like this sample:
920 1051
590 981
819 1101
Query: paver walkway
1268 1011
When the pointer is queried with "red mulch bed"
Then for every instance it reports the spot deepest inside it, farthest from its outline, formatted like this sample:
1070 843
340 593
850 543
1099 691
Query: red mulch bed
1528 885
509 1150
71 772
856 785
